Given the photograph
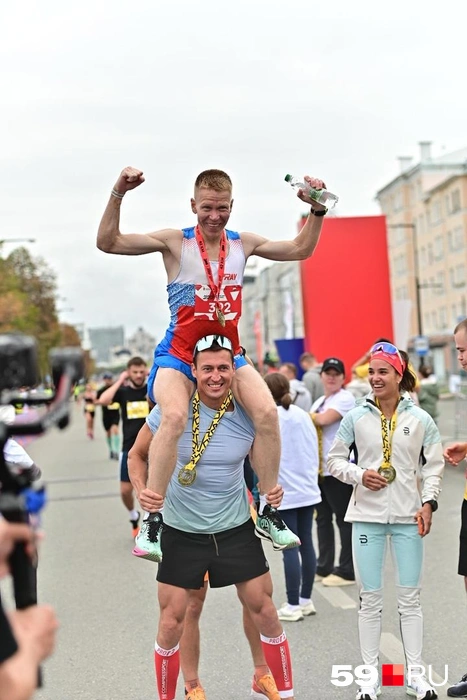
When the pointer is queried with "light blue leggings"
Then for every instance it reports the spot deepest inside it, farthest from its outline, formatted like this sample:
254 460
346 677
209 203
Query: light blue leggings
369 546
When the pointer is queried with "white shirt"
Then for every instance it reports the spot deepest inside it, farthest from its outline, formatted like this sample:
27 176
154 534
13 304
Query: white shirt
342 402
298 470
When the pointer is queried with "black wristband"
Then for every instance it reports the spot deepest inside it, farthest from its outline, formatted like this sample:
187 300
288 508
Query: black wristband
318 212
433 504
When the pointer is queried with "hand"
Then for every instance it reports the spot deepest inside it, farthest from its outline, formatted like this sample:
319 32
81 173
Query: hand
150 500
10 533
129 179
275 495
423 517
317 185
455 453
373 481
123 376
35 630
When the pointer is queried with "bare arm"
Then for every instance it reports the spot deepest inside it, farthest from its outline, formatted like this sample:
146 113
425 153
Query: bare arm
107 397
302 246
326 417
138 471
109 237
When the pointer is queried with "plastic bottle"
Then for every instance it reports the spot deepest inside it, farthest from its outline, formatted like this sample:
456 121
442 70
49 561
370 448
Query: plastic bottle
321 196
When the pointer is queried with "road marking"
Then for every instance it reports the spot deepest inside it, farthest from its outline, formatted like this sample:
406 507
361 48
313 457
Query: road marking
393 649
83 497
337 597
72 479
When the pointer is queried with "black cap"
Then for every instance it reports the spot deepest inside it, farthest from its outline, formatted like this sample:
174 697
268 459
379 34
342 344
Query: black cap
333 363
107 375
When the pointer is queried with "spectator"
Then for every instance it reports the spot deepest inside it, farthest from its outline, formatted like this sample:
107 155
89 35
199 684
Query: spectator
301 397
311 378
428 393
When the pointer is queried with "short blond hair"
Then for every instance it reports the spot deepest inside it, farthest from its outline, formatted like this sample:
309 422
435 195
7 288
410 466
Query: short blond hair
462 326
216 180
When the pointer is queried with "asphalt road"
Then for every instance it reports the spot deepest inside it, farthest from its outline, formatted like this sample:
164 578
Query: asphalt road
106 598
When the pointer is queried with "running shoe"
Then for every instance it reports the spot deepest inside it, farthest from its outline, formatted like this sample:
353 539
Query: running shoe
288 613
308 608
368 692
421 689
460 689
195 694
265 687
270 526
135 526
148 540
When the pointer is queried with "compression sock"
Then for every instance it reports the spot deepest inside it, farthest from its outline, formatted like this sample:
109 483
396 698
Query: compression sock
277 654
167 663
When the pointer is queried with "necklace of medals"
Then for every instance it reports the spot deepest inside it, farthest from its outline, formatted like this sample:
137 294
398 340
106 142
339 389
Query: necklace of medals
187 474
387 434
215 289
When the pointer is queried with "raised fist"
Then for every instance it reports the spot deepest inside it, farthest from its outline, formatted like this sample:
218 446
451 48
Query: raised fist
129 179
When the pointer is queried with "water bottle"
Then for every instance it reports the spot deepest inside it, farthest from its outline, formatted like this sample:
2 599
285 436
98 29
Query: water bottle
321 196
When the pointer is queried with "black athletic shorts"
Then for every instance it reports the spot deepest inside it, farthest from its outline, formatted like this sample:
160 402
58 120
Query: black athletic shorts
462 570
124 476
228 557
108 421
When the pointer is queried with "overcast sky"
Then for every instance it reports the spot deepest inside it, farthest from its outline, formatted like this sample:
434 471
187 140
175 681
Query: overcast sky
258 88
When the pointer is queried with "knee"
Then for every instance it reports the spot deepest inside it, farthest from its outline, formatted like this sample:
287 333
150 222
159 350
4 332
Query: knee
126 489
408 599
193 610
173 419
171 623
371 602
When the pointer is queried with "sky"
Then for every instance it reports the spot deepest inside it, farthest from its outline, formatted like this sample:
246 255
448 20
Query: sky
257 88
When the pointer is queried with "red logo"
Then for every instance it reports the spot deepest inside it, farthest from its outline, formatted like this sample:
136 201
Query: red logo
392 674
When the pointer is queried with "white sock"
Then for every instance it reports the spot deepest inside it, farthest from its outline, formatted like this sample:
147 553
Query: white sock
262 502
292 608
134 515
304 601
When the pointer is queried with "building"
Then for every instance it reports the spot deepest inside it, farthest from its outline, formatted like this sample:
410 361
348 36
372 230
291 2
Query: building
271 307
142 344
103 340
426 214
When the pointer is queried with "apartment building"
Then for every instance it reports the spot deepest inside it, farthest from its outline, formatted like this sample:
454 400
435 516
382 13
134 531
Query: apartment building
426 213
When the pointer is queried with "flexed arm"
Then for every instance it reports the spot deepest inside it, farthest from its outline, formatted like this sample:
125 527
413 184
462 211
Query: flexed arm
109 237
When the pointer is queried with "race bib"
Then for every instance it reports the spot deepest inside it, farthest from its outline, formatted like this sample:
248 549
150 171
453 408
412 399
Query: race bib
230 302
137 409
113 406
90 408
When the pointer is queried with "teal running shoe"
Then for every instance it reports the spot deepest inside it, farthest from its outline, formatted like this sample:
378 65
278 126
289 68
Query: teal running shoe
148 540
270 526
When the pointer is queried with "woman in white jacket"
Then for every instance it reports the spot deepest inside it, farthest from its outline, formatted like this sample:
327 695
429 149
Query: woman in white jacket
298 475
393 441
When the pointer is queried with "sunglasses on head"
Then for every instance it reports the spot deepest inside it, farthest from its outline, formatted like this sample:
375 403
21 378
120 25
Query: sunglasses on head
208 341
387 348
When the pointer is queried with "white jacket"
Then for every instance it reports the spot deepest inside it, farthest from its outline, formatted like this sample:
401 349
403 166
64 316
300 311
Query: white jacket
416 449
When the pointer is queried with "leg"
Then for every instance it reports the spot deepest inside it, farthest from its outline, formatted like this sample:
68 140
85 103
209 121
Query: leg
190 639
307 552
126 493
173 603
252 392
89 424
338 495
172 391
257 594
114 440
369 550
263 682
325 528
407 554
291 560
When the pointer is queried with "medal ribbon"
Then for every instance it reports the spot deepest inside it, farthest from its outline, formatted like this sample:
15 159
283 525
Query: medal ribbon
215 289
387 434
197 449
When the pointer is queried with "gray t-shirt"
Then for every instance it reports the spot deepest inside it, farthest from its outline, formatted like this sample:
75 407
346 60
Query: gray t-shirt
217 500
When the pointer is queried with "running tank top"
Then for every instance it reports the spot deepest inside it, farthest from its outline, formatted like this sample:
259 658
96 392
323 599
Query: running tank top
191 303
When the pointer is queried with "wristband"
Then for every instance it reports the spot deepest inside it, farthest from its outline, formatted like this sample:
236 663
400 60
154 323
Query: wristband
116 194
318 212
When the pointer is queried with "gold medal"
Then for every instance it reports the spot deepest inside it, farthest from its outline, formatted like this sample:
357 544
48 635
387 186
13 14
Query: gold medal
388 472
187 475
220 316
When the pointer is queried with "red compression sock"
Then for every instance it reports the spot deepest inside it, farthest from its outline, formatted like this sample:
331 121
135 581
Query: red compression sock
167 663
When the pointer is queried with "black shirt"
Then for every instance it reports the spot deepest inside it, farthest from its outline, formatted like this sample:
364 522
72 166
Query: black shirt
8 645
110 413
134 409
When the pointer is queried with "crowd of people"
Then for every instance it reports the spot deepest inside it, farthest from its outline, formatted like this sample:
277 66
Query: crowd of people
320 449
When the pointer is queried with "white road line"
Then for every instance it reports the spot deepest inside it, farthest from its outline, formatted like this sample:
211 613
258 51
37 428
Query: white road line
336 596
393 650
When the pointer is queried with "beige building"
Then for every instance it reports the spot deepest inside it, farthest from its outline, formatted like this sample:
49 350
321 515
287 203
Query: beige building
426 214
